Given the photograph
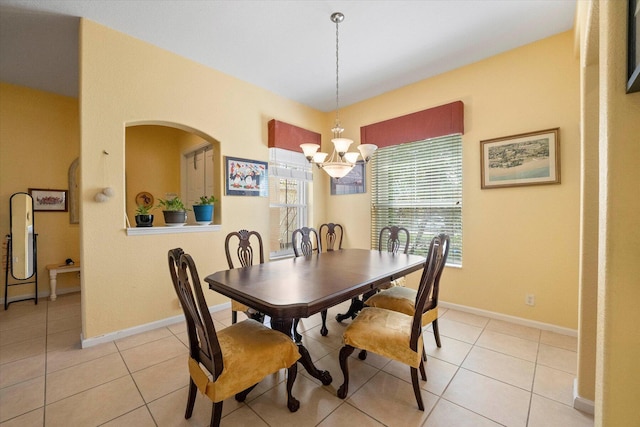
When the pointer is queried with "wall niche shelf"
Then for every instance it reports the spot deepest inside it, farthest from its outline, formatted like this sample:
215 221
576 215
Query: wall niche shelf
146 231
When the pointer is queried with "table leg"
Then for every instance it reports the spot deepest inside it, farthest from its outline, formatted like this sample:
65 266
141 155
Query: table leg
286 326
53 282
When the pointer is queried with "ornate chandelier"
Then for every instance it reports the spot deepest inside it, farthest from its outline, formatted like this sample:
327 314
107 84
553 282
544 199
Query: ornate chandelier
341 160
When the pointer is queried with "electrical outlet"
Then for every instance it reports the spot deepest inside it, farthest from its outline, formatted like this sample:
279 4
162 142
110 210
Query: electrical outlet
530 299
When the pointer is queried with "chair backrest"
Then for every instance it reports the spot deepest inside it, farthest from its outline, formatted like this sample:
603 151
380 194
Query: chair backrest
245 251
432 302
434 263
203 341
307 237
332 235
393 240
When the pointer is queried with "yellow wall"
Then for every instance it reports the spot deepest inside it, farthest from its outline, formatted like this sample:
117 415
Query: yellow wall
126 81
39 140
617 372
517 241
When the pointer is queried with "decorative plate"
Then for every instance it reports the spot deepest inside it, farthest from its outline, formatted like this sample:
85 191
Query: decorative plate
144 198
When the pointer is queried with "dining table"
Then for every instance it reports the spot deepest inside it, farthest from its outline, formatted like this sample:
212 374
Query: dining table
300 287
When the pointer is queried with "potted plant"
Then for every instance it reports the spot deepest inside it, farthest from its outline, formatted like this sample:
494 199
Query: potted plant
203 210
144 218
174 211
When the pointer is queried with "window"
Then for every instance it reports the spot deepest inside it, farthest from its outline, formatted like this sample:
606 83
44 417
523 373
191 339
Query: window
290 179
418 186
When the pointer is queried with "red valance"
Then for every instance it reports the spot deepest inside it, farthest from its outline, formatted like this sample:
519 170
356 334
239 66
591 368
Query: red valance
437 121
289 137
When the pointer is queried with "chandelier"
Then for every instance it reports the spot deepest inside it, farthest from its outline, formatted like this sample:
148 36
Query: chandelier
341 160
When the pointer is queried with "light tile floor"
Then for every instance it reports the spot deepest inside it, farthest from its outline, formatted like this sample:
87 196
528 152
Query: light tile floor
487 373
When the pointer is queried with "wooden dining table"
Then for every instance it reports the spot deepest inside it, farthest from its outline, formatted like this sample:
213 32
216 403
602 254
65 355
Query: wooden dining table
300 287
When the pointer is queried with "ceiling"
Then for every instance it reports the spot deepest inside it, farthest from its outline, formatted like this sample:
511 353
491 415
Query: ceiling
287 47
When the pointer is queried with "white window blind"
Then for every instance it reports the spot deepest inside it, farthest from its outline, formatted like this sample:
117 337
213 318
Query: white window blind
418 186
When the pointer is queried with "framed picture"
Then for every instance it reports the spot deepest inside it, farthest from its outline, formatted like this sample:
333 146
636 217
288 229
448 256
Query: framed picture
633 48
49 200
246 177
351 183
525 159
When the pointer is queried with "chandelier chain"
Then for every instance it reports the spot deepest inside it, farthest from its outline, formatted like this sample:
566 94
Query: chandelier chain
338 127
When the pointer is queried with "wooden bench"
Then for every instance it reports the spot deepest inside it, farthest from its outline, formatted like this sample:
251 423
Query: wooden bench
54 270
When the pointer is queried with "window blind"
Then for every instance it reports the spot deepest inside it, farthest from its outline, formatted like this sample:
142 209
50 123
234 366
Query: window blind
418 186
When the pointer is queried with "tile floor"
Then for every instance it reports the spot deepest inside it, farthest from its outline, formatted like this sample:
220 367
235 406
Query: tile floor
487 373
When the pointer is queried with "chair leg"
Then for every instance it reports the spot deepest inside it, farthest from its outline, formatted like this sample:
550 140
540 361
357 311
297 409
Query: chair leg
416 388
423 373
362 355
234 316
436 332
191 399
240 397
354 308
324 331
345 352
292 403
216 414
424 352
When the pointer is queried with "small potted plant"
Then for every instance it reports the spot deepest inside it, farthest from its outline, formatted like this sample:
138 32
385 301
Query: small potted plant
203 210
174 211
144 218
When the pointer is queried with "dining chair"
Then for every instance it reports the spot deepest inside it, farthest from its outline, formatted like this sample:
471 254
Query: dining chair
391 334
391 238
231 361
244 255
402 299
305 242
332 235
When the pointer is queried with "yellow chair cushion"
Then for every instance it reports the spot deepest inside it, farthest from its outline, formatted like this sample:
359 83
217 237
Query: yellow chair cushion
400 281
250 352
238 306
402 300
384 332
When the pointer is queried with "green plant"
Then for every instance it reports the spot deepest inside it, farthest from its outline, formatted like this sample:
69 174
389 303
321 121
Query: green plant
174 204
204 200
144 210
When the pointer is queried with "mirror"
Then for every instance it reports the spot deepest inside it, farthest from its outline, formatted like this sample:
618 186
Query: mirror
23 239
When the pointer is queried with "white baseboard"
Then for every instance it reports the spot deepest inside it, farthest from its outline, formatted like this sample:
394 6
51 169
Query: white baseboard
579 402
112 336
43 294
512 319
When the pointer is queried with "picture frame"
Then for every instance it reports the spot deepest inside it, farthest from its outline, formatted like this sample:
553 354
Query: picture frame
633 47
517 160
244 177
48 200
352 183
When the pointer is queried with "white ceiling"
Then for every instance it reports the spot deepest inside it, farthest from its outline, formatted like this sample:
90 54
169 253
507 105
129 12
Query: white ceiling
287 47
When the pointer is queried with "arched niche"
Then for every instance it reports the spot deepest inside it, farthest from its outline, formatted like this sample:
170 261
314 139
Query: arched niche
156 163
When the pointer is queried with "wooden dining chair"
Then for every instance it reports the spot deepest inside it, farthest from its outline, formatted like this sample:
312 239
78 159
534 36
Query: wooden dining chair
392 334
391 239
244 255
306 242
231 361
331 234
402 299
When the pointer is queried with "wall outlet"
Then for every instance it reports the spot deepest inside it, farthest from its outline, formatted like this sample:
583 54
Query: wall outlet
530 299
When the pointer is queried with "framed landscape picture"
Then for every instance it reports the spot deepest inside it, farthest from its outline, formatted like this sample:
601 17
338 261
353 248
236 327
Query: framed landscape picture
526 159
246 177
